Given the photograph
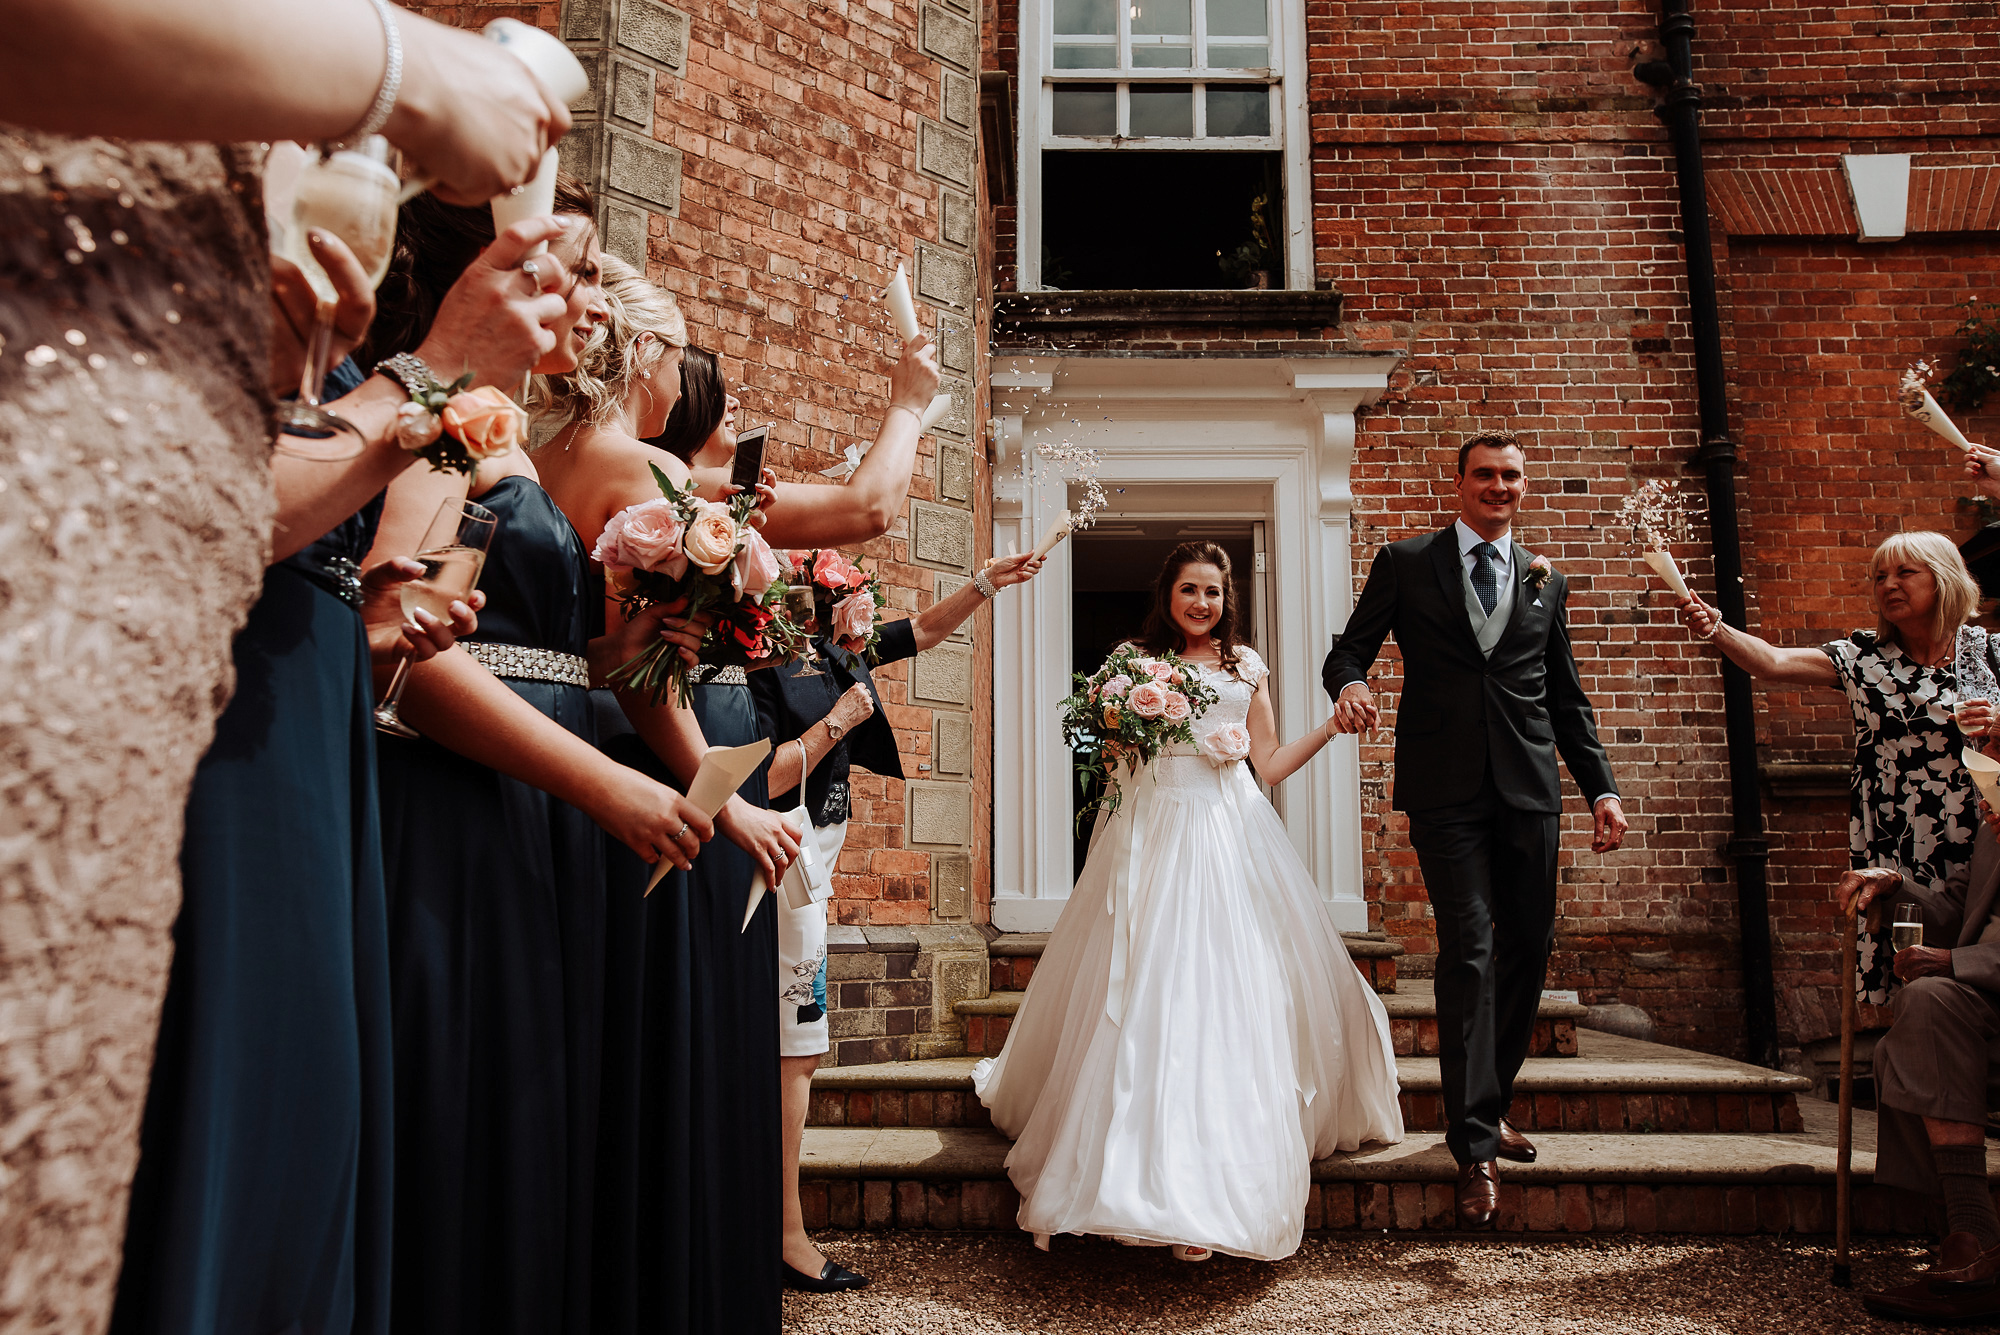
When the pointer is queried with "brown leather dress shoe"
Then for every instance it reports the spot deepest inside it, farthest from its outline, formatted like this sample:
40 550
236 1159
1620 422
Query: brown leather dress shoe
1961 1264
1514 1145
1934 1305
1478 1194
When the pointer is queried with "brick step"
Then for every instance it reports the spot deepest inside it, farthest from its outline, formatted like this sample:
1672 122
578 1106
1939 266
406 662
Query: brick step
1013 957
954 1178
1613 1085
1412 1011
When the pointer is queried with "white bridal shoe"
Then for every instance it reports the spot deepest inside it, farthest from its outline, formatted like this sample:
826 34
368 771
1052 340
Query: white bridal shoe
1184 1252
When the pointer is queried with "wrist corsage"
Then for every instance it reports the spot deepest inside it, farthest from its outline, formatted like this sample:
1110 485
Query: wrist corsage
450 426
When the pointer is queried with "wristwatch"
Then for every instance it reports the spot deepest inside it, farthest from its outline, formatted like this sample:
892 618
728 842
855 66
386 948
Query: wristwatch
834 731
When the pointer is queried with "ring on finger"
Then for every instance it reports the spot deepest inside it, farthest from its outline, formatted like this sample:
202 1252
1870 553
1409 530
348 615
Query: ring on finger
676 836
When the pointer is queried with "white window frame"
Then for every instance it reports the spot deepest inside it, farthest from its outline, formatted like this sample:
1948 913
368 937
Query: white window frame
1290 134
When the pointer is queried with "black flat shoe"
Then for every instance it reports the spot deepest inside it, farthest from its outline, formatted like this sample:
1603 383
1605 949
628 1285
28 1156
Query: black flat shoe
832 1279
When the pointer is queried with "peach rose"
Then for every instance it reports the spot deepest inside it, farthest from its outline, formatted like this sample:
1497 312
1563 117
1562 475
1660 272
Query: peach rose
755 566
1148 699
485 421
646 535
1162 672
711 537
1229 742
1178 709
1111 717
854 617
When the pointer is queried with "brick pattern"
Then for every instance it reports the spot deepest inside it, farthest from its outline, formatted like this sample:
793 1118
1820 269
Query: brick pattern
878 1001
985 1035
896 1107
1570 1207
1419 1037
1620 1112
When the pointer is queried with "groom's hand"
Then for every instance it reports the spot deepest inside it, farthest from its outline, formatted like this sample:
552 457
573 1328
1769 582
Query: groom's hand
1355 710
1609 815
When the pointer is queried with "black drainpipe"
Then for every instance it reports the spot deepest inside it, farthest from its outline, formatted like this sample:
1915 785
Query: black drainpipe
1747 846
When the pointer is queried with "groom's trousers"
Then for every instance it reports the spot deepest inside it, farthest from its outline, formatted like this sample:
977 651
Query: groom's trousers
1490 870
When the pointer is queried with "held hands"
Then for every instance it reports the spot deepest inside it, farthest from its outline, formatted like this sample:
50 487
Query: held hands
1354 710
390 636
1704 621
760 833
493 320
470 114
1607 825
296 309
914 382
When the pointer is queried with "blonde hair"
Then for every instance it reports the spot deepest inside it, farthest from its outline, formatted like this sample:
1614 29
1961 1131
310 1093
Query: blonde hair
1957 594
615 354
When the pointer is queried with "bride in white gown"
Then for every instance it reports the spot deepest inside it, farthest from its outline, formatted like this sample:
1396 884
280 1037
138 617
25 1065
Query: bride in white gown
1195 1033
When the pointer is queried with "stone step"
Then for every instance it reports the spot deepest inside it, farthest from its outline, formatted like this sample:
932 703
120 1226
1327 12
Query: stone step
1013 957
1613 1085
1585 1182
1412 1011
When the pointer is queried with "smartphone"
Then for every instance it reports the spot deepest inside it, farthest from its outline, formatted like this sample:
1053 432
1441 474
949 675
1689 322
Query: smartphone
748 467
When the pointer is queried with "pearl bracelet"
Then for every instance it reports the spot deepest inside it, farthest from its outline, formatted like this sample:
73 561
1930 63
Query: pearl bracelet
384 104
984 585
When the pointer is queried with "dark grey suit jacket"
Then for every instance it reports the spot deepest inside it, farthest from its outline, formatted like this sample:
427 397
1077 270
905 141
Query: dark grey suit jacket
1461 710
1963 914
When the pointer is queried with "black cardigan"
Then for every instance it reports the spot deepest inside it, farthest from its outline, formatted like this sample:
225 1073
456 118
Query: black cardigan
788 704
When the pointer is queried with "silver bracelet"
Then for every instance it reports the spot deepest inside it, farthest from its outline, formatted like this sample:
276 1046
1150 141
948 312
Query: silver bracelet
984 585
384 104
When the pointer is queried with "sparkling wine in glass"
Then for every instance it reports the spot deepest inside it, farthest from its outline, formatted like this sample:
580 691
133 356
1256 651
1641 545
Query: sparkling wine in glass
453 554
801 609
1908 928
352 194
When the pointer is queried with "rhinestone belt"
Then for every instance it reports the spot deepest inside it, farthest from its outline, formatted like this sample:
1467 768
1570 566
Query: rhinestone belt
346 577
708 674
524 664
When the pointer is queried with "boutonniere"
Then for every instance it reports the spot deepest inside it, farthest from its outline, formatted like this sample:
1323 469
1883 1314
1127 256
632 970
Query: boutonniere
1538 574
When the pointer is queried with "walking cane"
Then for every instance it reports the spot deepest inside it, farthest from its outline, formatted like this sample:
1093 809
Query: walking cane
1843 1160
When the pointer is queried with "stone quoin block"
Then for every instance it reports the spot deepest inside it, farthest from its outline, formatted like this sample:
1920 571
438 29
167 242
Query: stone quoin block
957 422
631 102
944 153
654 31
596 65
643 168
946 277
946 586
944 36
941 536
951 744
939 814
586 20
955 475
624 228
581 152
960 224
955 344
961 100
942 676
951 897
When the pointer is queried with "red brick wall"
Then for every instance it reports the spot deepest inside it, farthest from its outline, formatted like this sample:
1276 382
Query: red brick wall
797 125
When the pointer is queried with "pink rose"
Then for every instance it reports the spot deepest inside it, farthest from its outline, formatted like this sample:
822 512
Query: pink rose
755 566
1161 671
1227 743
1148 699
1178 709
712 537
485 421
646 535
1116 687
834 571
854 617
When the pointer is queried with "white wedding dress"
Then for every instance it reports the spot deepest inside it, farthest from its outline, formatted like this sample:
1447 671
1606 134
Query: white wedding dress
1195 1033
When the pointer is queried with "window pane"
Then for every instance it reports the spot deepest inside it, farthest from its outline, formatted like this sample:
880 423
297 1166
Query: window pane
1233 111
1098 17
1183 219
1235 57
1162 57
1169 17
1164 111
1086 108
1103 56
1226 18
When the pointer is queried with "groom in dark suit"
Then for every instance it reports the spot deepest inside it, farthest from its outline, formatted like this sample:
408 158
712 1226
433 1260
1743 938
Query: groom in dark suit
1490 695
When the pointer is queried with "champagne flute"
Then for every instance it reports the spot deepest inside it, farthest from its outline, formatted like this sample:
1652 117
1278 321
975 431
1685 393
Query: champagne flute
1908 928
801 608
453 554
354 195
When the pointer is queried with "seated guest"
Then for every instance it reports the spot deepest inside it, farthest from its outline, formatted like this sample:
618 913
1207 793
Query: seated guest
820 724
1932 1072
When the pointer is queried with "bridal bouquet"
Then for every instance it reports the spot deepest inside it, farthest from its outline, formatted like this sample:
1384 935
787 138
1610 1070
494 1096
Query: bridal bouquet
682 547
1131 709
847 600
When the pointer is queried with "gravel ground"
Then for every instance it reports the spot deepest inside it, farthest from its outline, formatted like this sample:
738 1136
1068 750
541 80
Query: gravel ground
998 1284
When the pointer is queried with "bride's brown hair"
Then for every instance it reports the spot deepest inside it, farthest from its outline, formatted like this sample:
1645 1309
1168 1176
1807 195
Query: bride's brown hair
1161 635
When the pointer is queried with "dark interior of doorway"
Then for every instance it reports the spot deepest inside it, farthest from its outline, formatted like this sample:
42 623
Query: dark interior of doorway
1111 591
1158 221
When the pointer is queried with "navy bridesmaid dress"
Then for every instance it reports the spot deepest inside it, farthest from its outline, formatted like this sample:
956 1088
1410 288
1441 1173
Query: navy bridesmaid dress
262 1197
496 938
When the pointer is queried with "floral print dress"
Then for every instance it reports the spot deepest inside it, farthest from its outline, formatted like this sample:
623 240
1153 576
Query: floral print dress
1912 806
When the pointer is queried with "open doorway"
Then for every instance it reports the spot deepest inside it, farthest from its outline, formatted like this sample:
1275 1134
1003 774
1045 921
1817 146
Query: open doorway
1114 566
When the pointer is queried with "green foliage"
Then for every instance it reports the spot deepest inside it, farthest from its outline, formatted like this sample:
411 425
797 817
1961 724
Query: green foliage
1975 370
